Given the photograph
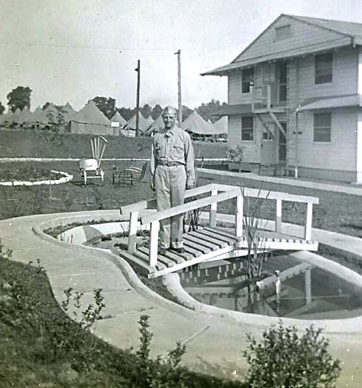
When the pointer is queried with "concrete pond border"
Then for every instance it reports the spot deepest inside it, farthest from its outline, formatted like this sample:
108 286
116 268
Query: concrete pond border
114 223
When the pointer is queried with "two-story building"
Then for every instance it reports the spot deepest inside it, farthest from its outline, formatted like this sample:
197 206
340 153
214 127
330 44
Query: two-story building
294 98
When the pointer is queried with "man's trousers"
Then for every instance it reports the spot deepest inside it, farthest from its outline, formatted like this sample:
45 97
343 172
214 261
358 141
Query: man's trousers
170 186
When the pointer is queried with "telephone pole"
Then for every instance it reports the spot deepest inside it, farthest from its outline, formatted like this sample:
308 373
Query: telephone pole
178 53
138 69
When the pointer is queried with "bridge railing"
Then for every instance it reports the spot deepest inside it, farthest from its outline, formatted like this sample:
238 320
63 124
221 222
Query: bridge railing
215 193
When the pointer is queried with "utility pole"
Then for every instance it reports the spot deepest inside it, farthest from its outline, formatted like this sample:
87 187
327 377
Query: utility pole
138 69
178 53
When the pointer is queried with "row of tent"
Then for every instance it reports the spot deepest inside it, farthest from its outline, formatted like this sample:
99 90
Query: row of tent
90 120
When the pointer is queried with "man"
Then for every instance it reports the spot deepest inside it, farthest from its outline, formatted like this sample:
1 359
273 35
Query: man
172 171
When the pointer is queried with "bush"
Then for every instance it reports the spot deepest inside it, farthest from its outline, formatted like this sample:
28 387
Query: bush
284 360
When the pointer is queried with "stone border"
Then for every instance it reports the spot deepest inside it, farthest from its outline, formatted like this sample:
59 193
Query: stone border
66 178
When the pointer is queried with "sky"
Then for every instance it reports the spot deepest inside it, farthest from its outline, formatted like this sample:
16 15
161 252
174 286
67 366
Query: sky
74 50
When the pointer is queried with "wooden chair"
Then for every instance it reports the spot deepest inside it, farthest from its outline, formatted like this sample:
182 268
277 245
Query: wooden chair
93 165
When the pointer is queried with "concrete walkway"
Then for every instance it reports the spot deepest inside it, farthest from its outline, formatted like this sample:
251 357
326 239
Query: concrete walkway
214 341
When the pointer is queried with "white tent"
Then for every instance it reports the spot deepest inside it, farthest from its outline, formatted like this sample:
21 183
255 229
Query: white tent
197 125
90 120
221 126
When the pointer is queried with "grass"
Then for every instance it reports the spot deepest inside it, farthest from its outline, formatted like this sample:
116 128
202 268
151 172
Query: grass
42 347
28 327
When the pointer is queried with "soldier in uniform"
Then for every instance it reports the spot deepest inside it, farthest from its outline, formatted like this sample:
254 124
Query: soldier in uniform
172 171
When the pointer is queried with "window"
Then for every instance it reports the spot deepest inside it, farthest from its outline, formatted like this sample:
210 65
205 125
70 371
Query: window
323 64
247 128
267 135
282 32
247 80
322 127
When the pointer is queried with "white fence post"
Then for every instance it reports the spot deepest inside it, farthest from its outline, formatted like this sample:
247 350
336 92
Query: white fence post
213 211
278 216
132 235
239 214
155 226
308 222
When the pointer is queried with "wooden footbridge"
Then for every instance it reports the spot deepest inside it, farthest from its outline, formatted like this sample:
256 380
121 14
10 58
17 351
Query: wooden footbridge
214 239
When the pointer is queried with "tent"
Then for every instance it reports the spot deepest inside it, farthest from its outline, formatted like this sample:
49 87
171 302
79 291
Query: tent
13 118
131 125
4 118
117 118
90 120
221 126
67 112
197 125
24 116
156 126
149 120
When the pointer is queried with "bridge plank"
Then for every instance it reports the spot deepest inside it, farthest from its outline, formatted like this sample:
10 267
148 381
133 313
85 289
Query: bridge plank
198 247
168 258
223 233
159 266
215 235
200 241
199 235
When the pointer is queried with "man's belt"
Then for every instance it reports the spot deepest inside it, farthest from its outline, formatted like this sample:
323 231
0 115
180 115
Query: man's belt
168 164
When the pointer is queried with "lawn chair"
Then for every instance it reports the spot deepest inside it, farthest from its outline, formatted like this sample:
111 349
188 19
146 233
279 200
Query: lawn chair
93 165
130 175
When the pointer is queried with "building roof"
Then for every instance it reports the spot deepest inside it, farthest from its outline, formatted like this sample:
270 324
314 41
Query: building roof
331 102
196 124
344 34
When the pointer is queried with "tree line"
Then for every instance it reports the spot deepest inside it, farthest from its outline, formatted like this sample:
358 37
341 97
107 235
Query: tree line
20 97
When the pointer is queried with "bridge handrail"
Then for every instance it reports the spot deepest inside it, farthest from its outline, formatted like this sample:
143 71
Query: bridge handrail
186 207
247 192
217 193
152 203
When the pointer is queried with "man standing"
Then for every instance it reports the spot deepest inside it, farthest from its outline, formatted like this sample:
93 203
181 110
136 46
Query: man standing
172 171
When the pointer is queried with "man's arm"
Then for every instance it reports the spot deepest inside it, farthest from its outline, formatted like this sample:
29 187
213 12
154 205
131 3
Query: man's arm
190 163
152 167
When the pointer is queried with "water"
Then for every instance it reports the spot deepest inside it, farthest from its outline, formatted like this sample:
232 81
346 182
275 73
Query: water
224 284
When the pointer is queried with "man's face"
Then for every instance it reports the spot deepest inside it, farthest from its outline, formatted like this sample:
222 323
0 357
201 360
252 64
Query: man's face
169 119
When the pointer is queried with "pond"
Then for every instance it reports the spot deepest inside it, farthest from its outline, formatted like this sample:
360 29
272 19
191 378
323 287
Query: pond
306 291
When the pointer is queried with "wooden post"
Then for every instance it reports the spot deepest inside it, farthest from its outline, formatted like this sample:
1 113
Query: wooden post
178 53
239 214
213 211
155 226
138 69
278 216
132 235
308 286
308 222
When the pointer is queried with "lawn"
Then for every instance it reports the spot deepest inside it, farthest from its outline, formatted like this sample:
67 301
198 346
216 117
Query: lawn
26 360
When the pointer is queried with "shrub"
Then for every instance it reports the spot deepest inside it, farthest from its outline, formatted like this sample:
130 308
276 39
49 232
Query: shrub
284 360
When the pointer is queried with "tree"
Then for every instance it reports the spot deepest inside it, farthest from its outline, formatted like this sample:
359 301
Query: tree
286 359
19 98
126 113
2 108
106 105
186 111
146 111
207 110
156 111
